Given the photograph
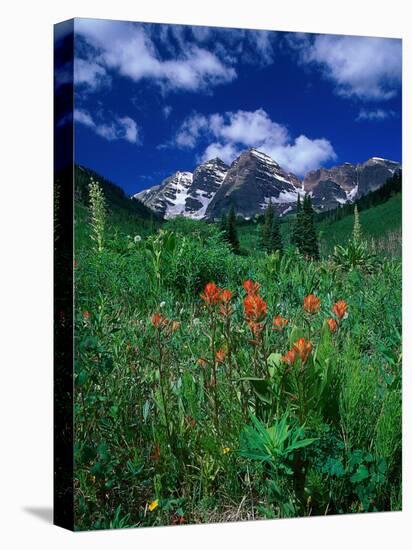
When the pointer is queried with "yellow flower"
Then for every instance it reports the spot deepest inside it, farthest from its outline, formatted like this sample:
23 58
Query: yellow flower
153 505
226 450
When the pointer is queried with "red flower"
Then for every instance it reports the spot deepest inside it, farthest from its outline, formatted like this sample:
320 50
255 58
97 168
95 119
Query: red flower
158 321
279 322
251 287
289 357
311 303
225 297
220 356
303 348
86 315
339 309
333 325
178 520
211 294
255 308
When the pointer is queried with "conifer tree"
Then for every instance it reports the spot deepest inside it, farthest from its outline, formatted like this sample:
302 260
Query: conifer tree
296 237
232 231
223 226
309 246
275 236
266 229
270 239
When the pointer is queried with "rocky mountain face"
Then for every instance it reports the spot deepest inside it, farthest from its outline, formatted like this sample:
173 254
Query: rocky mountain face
254 179
347 182
186 193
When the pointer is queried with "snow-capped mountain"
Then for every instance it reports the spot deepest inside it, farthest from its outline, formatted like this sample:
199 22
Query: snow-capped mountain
347 182
186 193
254 179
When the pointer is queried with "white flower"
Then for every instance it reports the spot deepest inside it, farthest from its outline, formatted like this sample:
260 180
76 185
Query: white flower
162 304
137 239
196 321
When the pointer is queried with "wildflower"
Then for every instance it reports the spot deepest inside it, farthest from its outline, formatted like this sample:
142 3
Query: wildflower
251 287
255 307
211 294
303 348
158 321
202 362
333 325
279 322
311 303
289 357
175 326
153 505
178 519
196 321
137 239
220 356
86 315
256 329
339 309
225 308
226 450
162 305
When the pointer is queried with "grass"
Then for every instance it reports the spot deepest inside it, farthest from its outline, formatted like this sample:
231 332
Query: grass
189 409
381 220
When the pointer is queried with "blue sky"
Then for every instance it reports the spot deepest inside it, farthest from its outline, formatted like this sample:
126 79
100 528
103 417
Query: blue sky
151 99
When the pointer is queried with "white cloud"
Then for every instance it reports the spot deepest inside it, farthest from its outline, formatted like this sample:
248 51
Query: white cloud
118 128
89 72
362 67
167 110
230 133
225 151
375 115
302 155
129 50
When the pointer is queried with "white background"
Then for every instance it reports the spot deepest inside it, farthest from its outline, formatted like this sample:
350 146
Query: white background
26 272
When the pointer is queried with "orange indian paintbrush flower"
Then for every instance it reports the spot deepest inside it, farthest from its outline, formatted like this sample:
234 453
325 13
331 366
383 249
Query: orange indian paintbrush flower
311 303
220 356
339 309
225 307
333 325
279 322
158 321
255 307
251 287
211 294
303 348
289 357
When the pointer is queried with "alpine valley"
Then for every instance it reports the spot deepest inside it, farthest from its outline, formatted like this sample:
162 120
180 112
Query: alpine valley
254 179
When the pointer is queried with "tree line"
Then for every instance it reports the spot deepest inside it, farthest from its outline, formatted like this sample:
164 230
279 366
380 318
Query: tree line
303 237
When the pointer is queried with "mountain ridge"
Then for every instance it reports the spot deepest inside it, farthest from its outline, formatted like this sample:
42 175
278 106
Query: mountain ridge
254 179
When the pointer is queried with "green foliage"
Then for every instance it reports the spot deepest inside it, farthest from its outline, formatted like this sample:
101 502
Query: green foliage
270 238
231 231
315 438
97 214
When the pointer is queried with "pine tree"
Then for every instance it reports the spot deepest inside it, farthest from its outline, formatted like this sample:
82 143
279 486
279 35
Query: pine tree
275 236
309 246
266 229
296 237
223 226
270 239
232 231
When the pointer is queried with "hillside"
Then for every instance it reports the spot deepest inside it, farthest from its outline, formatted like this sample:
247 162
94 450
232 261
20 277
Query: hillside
127 217
377 223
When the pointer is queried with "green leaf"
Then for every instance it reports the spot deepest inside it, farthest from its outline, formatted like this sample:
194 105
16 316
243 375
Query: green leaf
361 474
